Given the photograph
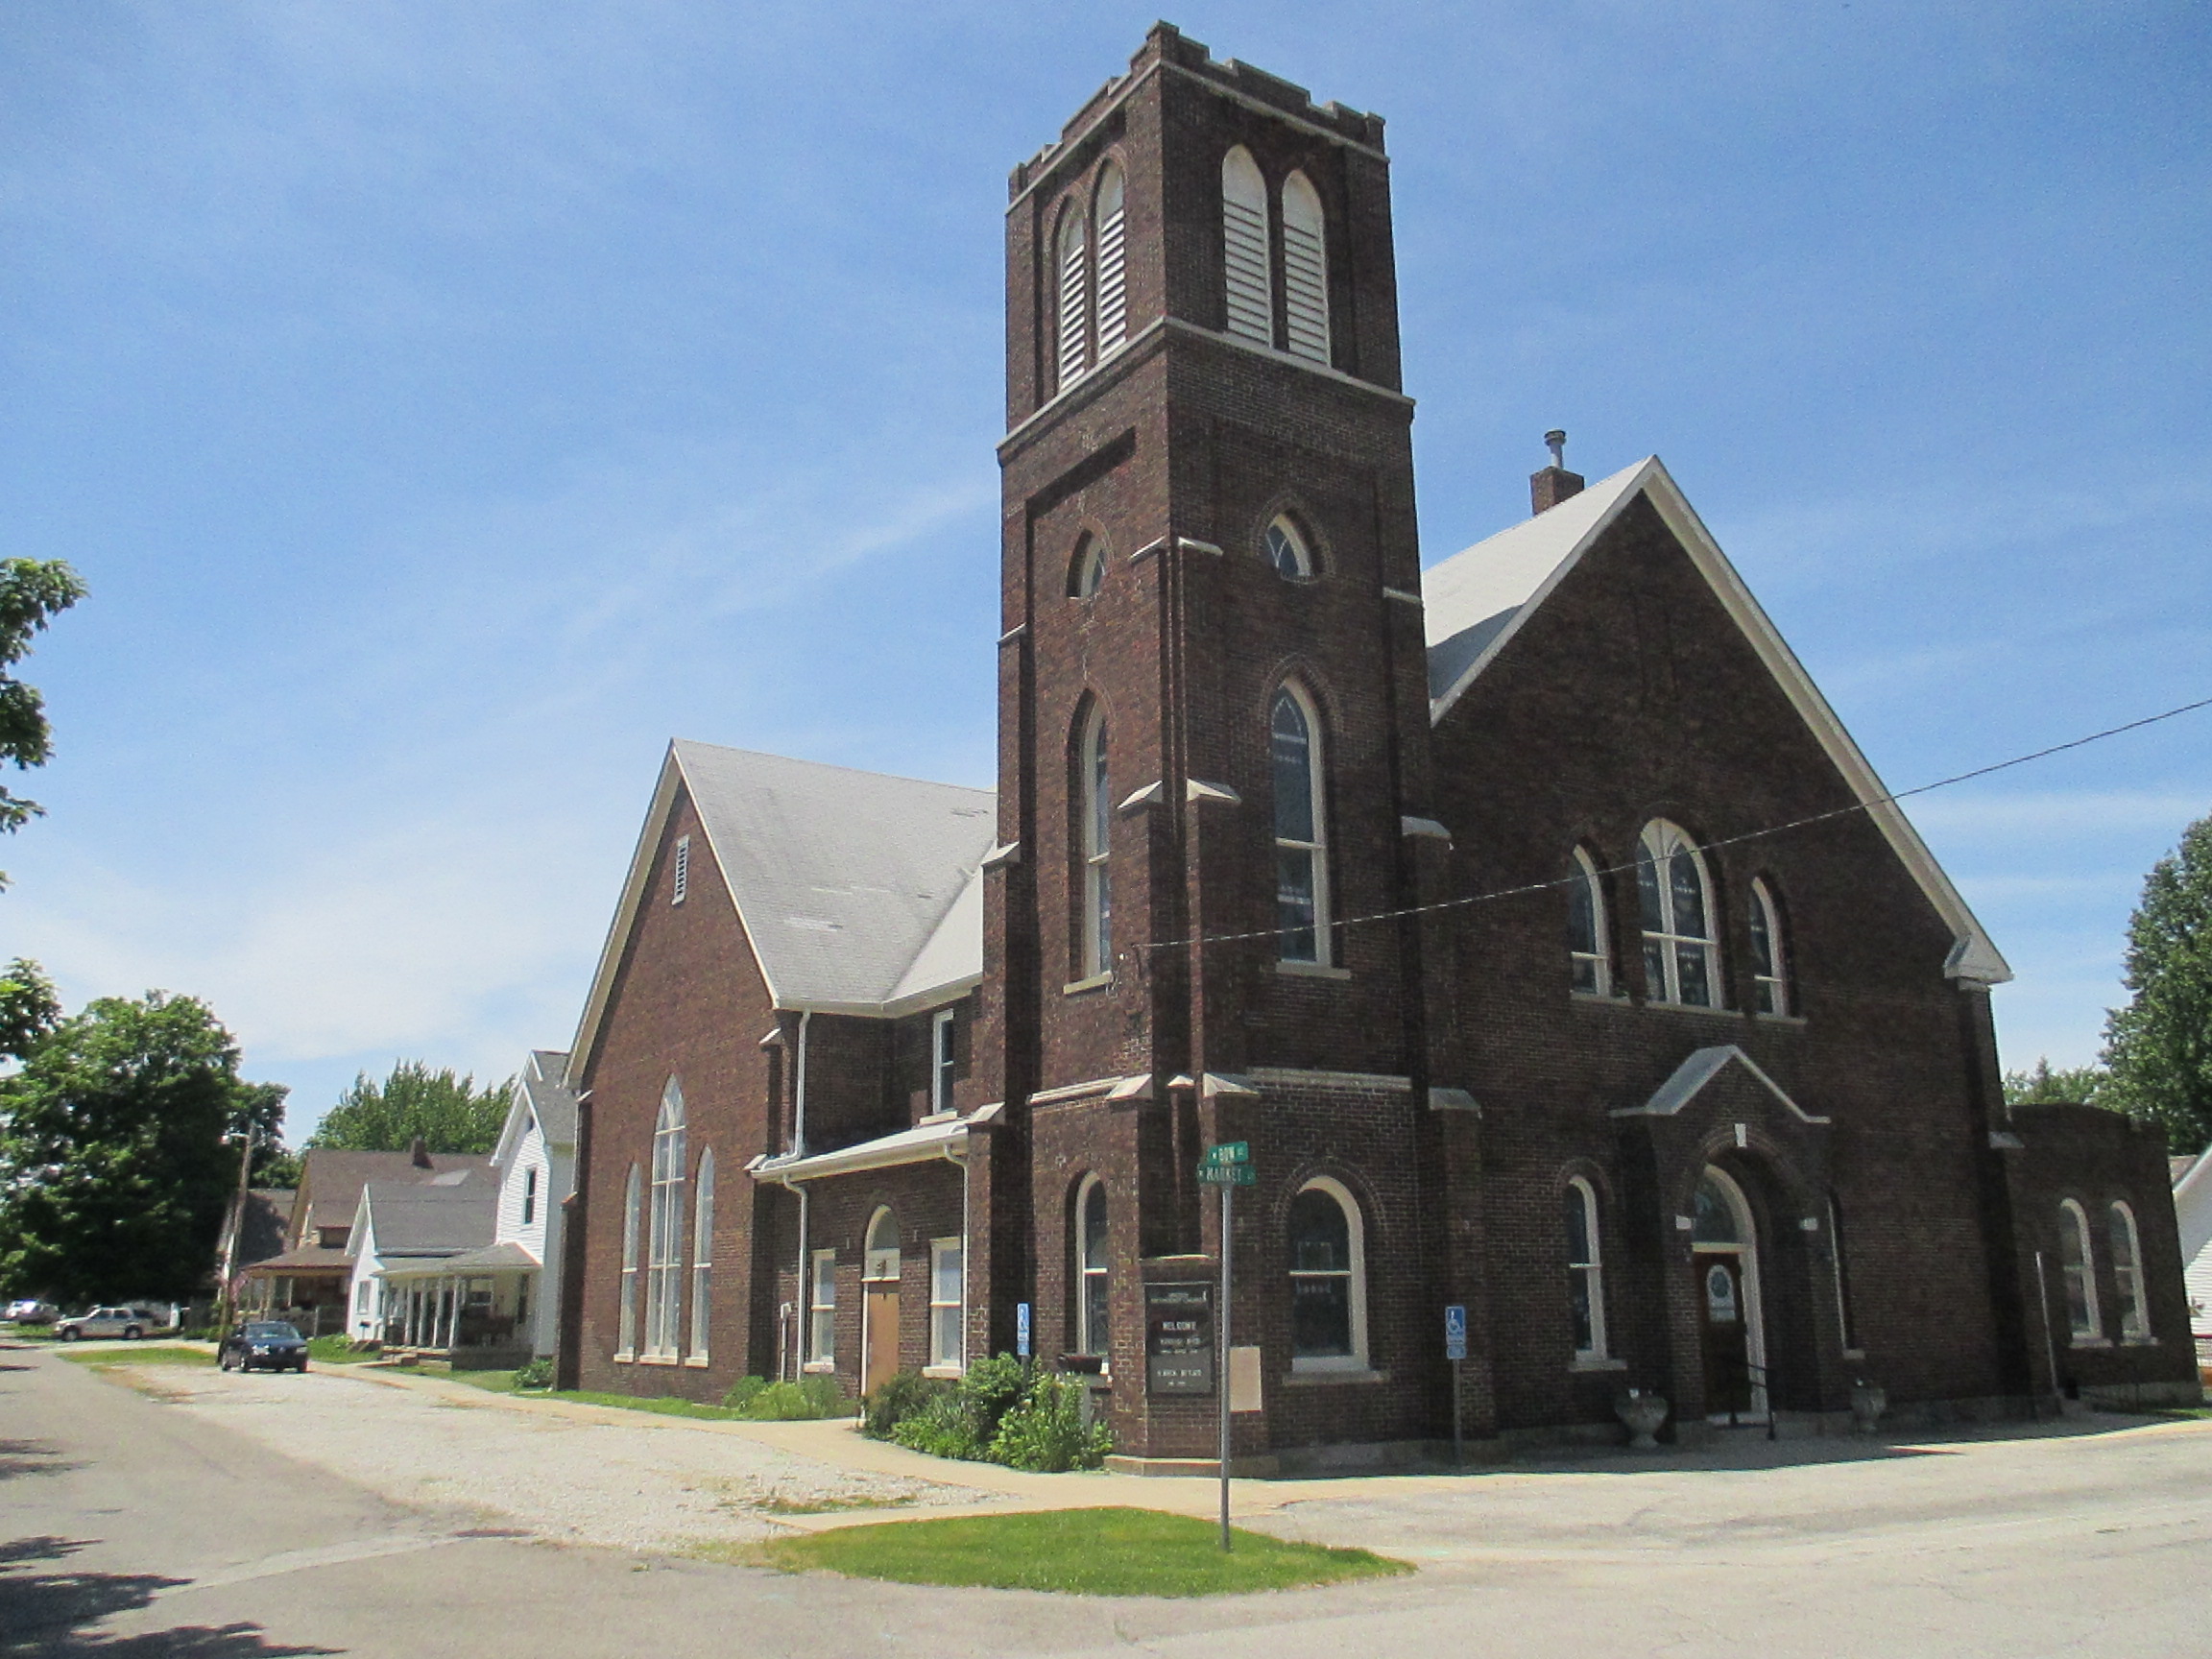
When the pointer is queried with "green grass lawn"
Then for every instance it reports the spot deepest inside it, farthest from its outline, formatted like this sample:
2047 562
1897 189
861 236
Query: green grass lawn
1074 1552
142 1353
497 1381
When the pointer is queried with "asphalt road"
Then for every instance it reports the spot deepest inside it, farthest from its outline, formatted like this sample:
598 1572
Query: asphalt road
132 1527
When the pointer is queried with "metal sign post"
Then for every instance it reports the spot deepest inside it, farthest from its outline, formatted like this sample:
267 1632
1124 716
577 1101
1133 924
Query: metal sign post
1455 1351
1226 1165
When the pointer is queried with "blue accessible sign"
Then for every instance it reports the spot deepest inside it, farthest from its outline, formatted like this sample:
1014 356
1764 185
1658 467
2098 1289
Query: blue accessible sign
1456 1331
1021 1329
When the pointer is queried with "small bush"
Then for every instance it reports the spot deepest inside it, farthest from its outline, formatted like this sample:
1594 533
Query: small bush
743 1392
804 1401
1045 1432
1005 1410
906 1395
944 1428
537 1374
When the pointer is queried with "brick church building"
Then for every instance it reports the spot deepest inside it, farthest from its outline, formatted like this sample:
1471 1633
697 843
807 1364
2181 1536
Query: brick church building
1532 917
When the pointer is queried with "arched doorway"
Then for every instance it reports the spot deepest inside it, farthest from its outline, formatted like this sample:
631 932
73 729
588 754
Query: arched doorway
880 1302
1724 1252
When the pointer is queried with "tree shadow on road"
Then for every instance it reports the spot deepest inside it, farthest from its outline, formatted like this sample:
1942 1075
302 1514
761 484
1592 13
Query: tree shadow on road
49 1615
32 1457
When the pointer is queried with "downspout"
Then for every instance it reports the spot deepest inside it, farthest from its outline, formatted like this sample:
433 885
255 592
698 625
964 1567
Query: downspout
965 1243
805 1299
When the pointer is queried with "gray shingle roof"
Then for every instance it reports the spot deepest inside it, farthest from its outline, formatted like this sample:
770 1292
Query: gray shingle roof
430 1220
845 878
551 1100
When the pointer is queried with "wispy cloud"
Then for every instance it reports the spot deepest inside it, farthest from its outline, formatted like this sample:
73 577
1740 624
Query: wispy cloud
2060 812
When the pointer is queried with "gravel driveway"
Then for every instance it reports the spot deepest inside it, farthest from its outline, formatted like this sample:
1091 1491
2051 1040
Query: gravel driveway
548 1470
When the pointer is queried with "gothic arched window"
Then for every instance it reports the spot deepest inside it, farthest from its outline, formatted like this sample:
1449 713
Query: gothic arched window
1248 274
1107 217
1087 569
1677 903
1286 550
1301 830
1328 1280
702 1253
1096 844
626 1315
1091 1302
1305 271
1585 1270
1587 948
2128 1272
1770 961
2078 1268
1071 274
664 1249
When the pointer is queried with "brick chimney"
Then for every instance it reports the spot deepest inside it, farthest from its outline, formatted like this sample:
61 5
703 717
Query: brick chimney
1555 483
418 1149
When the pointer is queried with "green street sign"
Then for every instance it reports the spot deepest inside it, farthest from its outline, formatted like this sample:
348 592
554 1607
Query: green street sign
1228 1175
1226 1153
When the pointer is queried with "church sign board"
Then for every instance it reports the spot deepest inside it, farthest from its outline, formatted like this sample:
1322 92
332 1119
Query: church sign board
1179 1338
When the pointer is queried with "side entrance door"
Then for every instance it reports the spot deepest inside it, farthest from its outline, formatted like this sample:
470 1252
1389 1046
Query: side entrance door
882 1312
1722 1318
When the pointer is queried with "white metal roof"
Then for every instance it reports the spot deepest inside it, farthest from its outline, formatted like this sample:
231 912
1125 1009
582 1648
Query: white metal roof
1474 602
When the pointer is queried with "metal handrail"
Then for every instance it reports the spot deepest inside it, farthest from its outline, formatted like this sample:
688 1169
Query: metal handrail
1761 1377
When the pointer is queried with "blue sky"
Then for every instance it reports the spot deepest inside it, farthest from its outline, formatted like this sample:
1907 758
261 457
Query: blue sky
449 404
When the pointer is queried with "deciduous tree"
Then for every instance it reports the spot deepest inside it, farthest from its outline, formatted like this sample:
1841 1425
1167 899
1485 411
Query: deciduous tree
32 592
2159 1047
450 1113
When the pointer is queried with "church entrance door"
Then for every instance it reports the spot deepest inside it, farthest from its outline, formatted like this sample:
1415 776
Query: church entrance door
1724 1253
879 1314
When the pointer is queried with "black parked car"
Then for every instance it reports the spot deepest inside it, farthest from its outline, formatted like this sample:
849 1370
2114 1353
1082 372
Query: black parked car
264 1345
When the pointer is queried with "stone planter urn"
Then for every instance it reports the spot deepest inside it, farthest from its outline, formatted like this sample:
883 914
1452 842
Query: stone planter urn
1640 1413
1868 1400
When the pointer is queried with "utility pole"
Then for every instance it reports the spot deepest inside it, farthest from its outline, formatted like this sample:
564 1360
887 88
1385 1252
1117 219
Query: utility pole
228 1298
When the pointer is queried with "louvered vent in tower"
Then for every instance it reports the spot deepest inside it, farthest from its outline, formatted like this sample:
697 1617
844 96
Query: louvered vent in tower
1071 295
1250 310
1112 277
1305 271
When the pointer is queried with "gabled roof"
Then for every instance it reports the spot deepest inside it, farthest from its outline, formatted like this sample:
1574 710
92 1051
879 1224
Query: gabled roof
1688 1081
1476 601
853 887
541 1097
330 1181
430 1220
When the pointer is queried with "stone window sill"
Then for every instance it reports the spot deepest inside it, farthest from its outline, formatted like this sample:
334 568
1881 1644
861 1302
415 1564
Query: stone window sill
1325 1376
1779 1019
2090 1342
2143 1342
625 1358
1596 1364
696 1360
1854 1353
656 1358
1312 969
1690 1008
943 1370
820 1367
1096 982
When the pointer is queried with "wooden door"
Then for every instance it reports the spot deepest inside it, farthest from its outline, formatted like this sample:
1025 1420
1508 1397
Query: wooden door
1725 1323
882 1310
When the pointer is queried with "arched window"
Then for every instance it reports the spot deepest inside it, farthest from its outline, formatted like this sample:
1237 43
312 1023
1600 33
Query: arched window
1091 1315
1585 1270
1287 552
1301 830
1087 569
1769 964
1586 934
626 1316
1069 261
1095 845
1676 898
2078 1268
1328 1280
1113 276
2128 1273
1305 271
665 1252
1248 271
702 1254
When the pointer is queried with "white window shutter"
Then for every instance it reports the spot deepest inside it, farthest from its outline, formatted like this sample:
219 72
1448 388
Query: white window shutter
1305 271
1112 277
1073 295
1247 269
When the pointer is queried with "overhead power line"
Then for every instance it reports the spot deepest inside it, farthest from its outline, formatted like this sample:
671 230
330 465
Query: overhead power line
1528 887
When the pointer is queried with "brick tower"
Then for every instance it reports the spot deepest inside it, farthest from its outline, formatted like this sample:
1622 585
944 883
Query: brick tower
1213 727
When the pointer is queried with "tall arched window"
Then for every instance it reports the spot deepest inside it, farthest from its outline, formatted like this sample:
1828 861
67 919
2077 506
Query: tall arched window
665 1252
1677 909
1328 1280
2078 1268
1113 276
1592 961
1248 271
701 1255
1585 1270
1096 844
1073 275
2128 1272
1087 569
1301 830
1091 1317
1305 271
1286 550
626 1316
1770 963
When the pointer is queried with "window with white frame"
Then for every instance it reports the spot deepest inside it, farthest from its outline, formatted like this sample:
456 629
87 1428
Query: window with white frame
2128 1272
626 1316
1106 214
664 1249
1769 976
1676 900
943 1050
1301 830
1091 1268
702 1254
1328 1280
1592 963
1286 550
1305 271
1087 571
1585 1270
1248 271
681 885
1070 262
361 1298
822 1310
2078 1269
1096 844
947 1344
530 1195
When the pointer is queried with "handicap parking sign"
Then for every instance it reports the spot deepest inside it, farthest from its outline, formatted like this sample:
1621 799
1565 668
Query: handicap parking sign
1456 1331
